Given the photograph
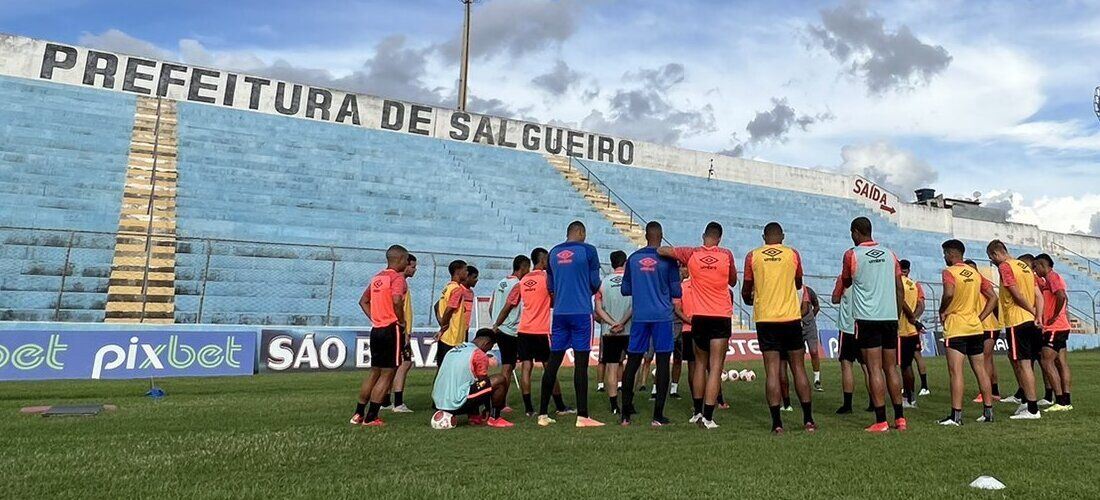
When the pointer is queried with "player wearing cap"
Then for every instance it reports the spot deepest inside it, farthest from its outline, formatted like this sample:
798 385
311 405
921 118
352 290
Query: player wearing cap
773 277
878 297
613 311
713 271
652 282
961 317
1018 310
572 278
464 385
1055 332
909 335
508 329
383 303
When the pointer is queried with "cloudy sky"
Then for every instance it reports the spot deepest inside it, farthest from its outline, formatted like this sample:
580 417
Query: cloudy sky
960 95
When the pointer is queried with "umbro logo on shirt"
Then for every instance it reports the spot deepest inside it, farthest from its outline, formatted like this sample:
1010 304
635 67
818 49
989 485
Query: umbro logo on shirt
378 283
771 252
709 260
966 273
876 253
618 280
649 264
565 257
530 283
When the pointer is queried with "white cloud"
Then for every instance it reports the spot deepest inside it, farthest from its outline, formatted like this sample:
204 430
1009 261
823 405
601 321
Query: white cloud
1065 214
1064 135
897 170
117 41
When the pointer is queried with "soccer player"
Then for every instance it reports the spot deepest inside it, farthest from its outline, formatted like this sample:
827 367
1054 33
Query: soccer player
465 386
652 282
399 405
773 276
810 309
383 303
874 276
451 308
572 279
713 271
992 333
508 329
962 318
909 334
1055 332
1017 301
849 346
684 309
613 312
533 339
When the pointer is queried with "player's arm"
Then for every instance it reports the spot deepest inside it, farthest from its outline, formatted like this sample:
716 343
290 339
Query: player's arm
847 269
797 270
899 292
594 281
815 301
919 310
805 306
364 302
1008 280
838 291
678 310
601 314
747 287
1059 304
990 301
1040 306
510 303
733 269
399 310
948 294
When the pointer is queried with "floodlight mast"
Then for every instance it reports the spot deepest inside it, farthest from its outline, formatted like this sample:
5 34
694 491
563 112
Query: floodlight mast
465 63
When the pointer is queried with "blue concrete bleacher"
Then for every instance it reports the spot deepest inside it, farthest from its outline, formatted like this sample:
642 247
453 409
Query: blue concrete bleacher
63 153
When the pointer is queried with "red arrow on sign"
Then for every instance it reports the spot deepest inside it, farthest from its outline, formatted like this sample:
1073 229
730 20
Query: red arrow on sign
888 208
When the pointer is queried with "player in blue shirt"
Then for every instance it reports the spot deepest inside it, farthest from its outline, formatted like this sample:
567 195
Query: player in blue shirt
572 279
652 281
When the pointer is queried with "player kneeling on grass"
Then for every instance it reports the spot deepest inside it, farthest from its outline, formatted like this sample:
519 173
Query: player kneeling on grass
464 386
966 302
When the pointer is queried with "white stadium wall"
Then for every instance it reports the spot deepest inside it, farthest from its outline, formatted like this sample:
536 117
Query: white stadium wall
72 65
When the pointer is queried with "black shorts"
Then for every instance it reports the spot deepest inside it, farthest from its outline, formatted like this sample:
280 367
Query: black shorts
783 337
533 347
1056 340
872 334
687 346
993 335
441 350
480 393
706 328
507 345
1025 341
969 345
910 346
406 349
849 349
612 348
385 347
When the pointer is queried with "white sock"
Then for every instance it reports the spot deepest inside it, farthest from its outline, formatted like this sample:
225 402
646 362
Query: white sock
817 376
675 387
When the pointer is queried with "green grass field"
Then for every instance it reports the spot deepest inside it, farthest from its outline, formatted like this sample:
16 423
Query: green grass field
288 436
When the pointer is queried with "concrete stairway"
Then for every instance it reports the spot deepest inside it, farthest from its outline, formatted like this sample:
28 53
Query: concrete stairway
598 195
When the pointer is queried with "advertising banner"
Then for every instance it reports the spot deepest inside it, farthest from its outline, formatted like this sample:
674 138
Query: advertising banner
303 349
98 354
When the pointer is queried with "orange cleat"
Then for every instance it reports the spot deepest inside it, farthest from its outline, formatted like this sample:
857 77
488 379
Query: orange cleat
811 427
588 422
878 427
357 419
477 420
374 423
901 424
499 423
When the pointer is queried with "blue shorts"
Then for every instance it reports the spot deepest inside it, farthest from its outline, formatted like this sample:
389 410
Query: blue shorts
571 331
659 333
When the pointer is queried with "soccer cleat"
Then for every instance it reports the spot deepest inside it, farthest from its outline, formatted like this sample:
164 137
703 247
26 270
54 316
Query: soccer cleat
1026 415
1057 407
901 424
778 431
615 411
844 410
567 410
924 392
708 424
786 408
695 418
499 423
1012 400
388 407
356 419
374 423
660 422
723 406
402 409
545 420
909 404
817 386
983 419
950 422
977 399
588 422
477 420
624 421
530 414
878 427
674 395
599 388
1020 409
1045 402
810 427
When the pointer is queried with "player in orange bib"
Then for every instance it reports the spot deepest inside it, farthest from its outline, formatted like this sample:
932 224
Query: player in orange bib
1056 327
383 302
965 304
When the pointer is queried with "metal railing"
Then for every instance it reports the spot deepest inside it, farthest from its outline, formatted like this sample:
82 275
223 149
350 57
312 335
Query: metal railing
1090 266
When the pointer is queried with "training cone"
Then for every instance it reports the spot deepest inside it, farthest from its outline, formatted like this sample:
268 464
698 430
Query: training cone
156 393
987 483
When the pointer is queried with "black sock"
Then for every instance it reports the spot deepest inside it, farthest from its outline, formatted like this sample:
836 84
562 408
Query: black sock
786 401
549 377
777 421
580 381
386 400
372 412
1068 400
663 376
528 406
360 408
807 412
987 411
899 411
1019 393
924 381
614 403
880 414
1033 407
633 362
708 412
495 412
847 400
697 405
559 402
721 399
957 415
398 398
996 390
1049 394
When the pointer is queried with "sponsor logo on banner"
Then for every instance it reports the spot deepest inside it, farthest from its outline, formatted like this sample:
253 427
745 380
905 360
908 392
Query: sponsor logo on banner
98 354
297 349
830 339
743 346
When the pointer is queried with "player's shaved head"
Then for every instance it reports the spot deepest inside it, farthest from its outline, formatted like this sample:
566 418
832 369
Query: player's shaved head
713 233
1045 258
773 233
484 339
576 231
456 266
654 233
997 251
520 263
953 251
618 259
904 264
397 258
539 257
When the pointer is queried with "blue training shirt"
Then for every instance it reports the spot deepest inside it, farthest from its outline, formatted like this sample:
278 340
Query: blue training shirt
652 281
573 277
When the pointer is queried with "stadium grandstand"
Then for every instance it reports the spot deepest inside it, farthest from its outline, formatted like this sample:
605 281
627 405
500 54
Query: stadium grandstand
130 195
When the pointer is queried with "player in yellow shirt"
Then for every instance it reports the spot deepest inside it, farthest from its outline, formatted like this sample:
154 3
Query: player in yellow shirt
992 329
909 340
451 310
965 304
773 277
1018 313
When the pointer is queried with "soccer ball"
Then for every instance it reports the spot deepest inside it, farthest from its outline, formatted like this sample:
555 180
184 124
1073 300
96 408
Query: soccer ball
733 375
725 376
748 377
442 420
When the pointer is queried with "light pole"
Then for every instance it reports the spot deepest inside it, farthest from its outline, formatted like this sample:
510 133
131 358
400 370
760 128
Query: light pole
464 65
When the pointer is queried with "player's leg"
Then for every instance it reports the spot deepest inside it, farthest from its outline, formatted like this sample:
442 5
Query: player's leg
663 344
611 383
989 342
955 358
1023 350
601 370
784 381
549 378
773 366
399 386
1049 361
847 386
976 355
715 357
802 387
893 376
908 381
635 353
922 371
1065 374
525 369
677 367
877 381
365 390
699 376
